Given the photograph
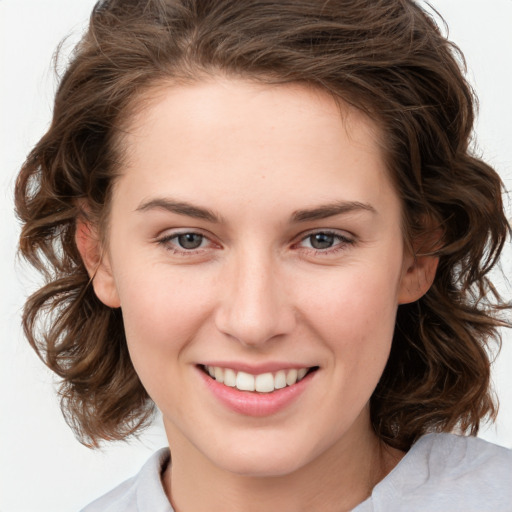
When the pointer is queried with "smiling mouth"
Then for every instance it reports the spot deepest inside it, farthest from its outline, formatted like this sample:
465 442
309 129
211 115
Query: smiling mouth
261 383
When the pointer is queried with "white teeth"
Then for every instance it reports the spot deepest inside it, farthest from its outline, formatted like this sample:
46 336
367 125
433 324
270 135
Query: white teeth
301 373
291 377
280 379
245 381
219 374
229 377
262 383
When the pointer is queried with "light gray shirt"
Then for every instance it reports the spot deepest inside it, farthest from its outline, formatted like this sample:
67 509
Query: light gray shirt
440 473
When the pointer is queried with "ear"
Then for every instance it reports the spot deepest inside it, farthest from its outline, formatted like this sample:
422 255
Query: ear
97 264
419 271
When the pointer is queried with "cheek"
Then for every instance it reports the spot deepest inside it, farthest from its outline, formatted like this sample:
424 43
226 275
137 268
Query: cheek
354 300
361 343
162 313
157 296
354 315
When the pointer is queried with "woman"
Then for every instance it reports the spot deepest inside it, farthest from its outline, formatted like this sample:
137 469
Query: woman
263 217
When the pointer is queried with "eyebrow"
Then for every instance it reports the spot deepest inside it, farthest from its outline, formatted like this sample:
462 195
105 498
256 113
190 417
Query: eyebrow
179 207
197 212
330 210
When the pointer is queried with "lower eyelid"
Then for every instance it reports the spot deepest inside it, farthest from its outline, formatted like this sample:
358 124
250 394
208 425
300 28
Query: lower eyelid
169 243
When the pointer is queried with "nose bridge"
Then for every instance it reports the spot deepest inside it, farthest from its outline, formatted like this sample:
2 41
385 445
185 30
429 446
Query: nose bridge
254 308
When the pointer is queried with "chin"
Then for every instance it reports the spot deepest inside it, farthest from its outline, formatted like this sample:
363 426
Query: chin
262 467
267 460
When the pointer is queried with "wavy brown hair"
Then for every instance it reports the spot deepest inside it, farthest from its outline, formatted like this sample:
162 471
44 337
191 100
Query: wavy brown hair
385 57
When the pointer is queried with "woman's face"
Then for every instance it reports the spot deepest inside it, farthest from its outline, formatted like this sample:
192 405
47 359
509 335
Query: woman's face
254 231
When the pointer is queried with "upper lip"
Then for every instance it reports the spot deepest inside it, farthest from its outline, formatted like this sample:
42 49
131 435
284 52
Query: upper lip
257 369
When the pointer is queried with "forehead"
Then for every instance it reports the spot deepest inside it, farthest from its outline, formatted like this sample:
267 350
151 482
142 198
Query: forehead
239 106
288 142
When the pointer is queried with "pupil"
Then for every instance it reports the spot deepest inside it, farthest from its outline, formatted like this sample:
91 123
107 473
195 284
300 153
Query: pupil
190 240
322 241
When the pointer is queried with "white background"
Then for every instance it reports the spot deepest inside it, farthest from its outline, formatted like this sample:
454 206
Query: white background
42 467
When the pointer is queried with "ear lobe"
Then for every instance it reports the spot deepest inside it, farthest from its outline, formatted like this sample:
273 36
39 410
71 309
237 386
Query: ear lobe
417 278
97 264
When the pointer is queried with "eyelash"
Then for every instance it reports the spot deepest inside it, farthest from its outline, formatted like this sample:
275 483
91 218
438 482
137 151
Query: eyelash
166 242
343 243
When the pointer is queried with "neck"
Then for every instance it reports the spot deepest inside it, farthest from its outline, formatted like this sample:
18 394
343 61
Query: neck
336 481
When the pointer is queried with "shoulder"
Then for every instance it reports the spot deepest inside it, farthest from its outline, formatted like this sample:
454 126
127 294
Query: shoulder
450 457
142 493
448 472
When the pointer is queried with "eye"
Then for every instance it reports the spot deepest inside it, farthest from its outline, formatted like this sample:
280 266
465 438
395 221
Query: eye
189 240
325 241
321 240
186 242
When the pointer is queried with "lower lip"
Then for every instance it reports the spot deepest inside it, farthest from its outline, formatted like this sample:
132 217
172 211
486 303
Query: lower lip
253 403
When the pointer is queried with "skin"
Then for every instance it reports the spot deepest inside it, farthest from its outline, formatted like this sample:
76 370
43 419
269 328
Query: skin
256 291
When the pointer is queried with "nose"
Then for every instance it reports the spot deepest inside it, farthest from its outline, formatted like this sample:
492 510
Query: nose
254 307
